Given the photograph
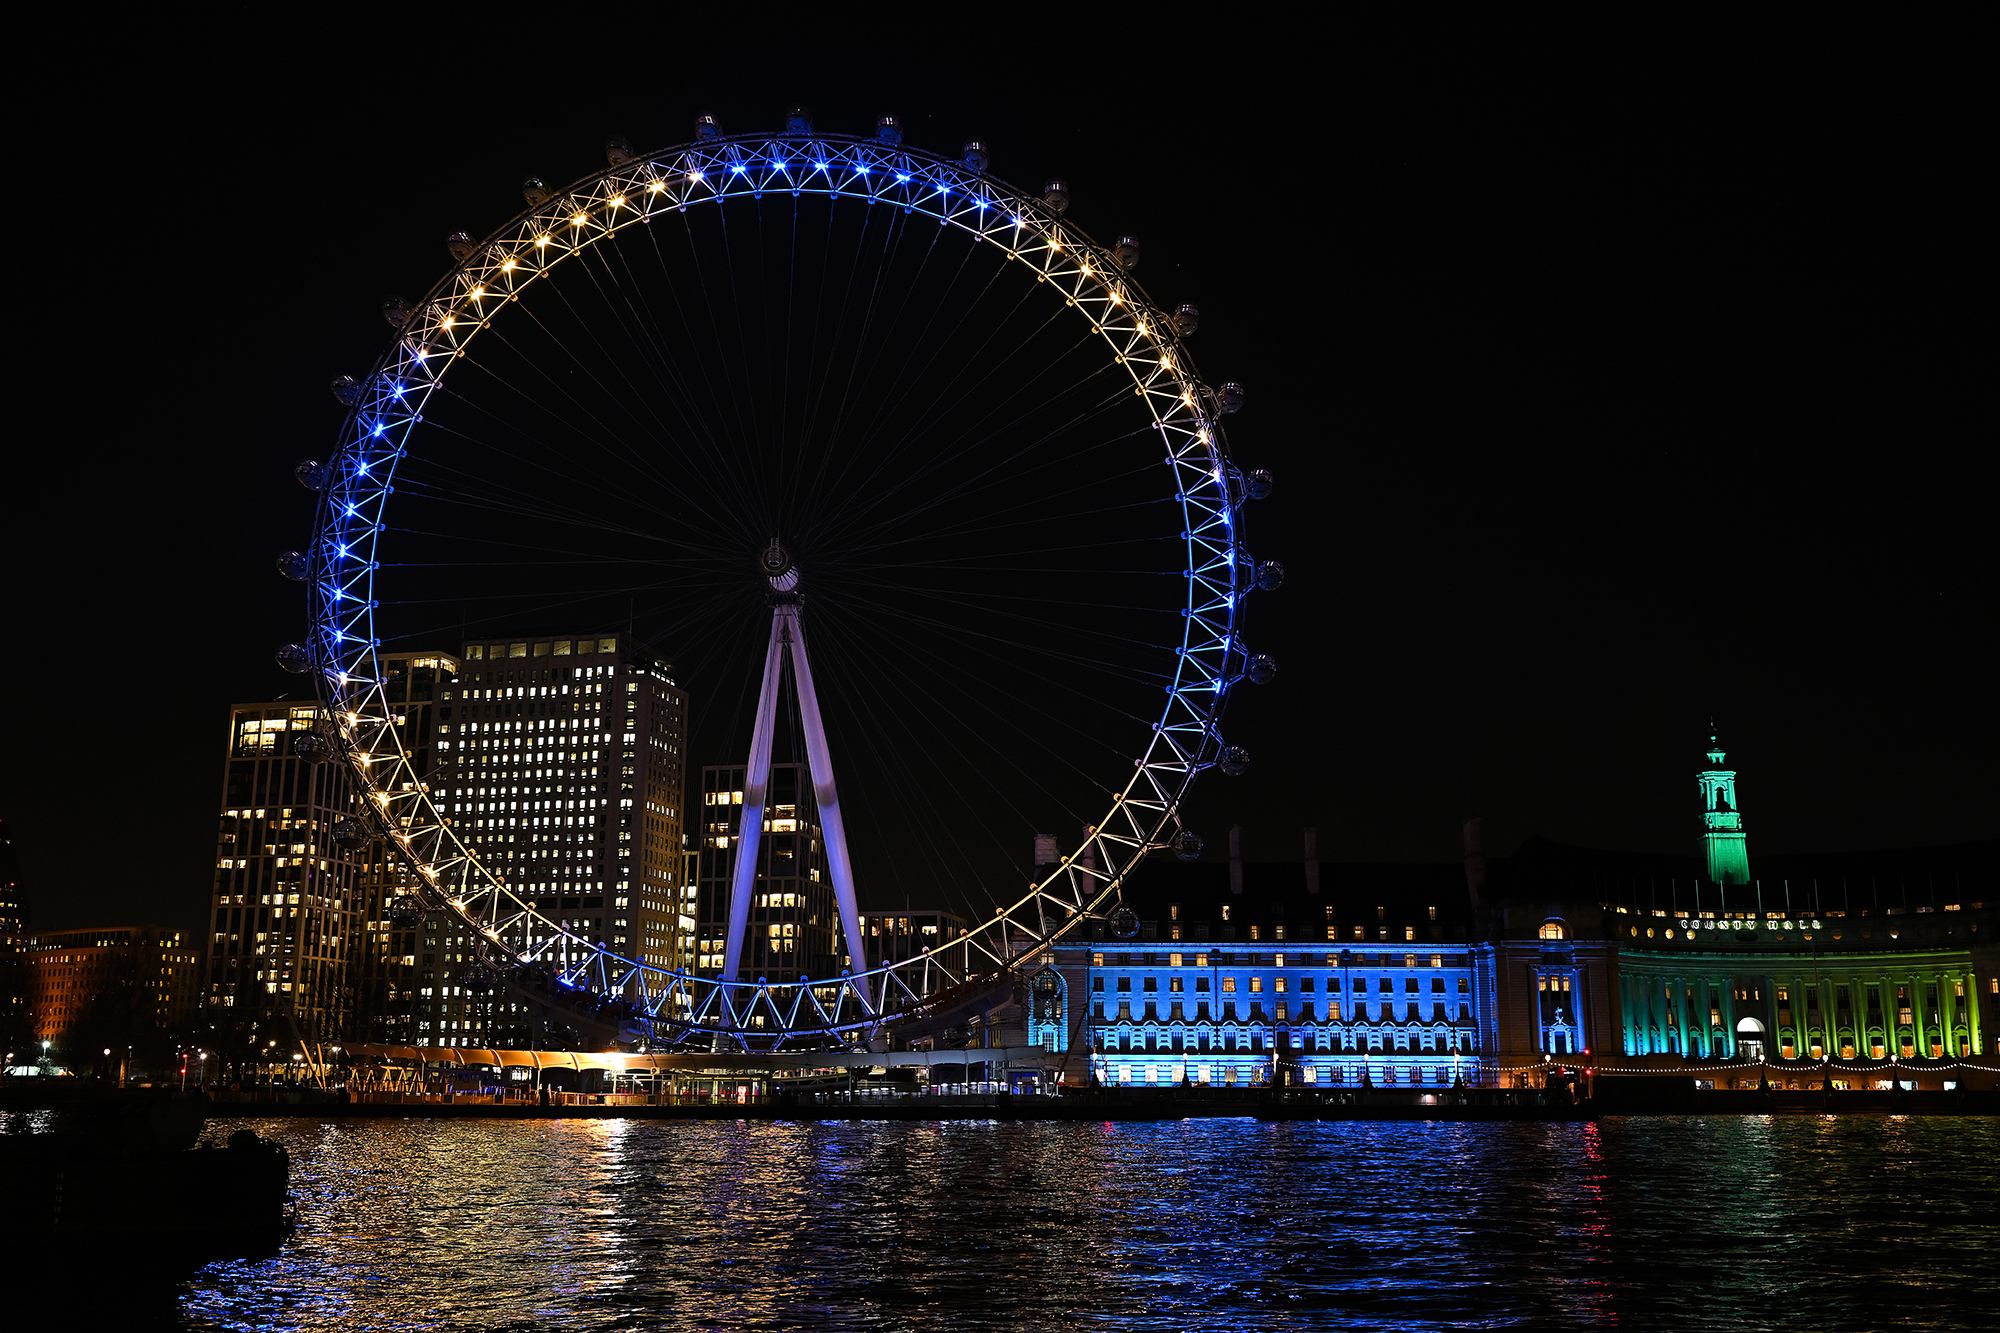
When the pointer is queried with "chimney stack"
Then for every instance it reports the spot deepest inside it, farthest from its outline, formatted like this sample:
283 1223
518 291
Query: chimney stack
1312 860
1236 858
1045 849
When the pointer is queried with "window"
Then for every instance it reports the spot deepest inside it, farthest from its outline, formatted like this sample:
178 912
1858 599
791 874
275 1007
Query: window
1552 930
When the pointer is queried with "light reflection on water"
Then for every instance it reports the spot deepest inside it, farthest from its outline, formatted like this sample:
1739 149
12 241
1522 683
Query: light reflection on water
1725 1223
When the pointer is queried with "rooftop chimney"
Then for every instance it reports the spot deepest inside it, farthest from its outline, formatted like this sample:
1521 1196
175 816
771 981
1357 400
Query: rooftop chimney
1236 858
1312 860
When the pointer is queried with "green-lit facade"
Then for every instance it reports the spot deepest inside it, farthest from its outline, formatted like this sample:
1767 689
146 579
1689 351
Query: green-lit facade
1786 989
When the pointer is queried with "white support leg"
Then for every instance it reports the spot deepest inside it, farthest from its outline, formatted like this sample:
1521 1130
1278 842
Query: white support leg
831 823
756 788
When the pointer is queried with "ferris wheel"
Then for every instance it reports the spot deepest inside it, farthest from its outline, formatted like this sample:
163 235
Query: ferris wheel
986 452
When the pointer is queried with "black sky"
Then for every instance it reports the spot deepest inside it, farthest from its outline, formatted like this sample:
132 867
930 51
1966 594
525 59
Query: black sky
1613 380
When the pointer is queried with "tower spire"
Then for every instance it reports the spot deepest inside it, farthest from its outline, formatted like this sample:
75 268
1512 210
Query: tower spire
1722 837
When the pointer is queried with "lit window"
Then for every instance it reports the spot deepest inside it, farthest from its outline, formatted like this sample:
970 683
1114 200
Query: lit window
1552 930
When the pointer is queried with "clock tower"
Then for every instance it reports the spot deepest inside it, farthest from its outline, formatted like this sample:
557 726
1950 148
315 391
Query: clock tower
1722 837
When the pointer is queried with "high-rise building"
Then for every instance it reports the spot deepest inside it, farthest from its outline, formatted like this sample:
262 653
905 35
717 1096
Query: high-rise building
386 960
118 986
1723 843
792 925
285 915
562 759
16 1022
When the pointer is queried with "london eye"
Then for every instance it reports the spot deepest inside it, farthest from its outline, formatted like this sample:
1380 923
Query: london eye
760 391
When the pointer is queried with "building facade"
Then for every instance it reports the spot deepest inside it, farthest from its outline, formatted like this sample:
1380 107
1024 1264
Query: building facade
17 1024
387 956
128 988
895 937
285 917
1244 975
562 757
1860 969
1863 963
793 929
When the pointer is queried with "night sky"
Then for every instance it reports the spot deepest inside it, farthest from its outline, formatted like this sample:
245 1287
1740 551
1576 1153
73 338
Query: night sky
1611 383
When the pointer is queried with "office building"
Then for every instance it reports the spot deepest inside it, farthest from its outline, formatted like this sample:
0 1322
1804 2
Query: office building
562 759
793 924
16 1018
286 912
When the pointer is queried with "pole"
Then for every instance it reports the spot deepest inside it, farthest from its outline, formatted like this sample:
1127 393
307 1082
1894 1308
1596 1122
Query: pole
827 798
756 784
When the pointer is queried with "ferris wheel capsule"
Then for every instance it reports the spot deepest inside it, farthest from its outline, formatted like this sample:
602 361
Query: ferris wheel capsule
888 130
295 658
1056 195
1187 318
311 747
460 246
311 474
1263 669
618 150
1125 924
798 120
347 390
1235 761
396 310
1126 252
351 833
1257 483
536 191
976 157
1230 397
706 127
292 564
1186 844
1270 575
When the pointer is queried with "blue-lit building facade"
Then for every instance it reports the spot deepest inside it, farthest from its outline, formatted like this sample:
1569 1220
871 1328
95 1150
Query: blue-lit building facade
1242 976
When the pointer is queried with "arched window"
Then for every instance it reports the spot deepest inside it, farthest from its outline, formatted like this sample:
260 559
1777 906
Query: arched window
1552 930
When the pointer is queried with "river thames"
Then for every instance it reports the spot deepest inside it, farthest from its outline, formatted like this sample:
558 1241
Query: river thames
1691 1223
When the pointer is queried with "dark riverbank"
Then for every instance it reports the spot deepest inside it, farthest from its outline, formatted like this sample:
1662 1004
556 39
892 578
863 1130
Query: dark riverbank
1610 1097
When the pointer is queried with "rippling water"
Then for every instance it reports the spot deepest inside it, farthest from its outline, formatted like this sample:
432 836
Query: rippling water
1862 1222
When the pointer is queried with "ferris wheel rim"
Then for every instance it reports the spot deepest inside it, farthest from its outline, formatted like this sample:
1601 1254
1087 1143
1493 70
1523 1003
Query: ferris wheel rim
1184 741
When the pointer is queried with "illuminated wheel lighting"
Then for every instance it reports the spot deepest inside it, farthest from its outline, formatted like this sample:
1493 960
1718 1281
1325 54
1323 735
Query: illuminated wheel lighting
1138 339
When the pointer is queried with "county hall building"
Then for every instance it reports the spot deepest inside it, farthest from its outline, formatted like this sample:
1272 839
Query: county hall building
1863 969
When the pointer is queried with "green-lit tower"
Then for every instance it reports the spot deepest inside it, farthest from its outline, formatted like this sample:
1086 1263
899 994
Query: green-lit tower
1722 821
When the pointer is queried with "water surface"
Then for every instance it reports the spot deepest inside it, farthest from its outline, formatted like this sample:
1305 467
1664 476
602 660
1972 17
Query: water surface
1688 1223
